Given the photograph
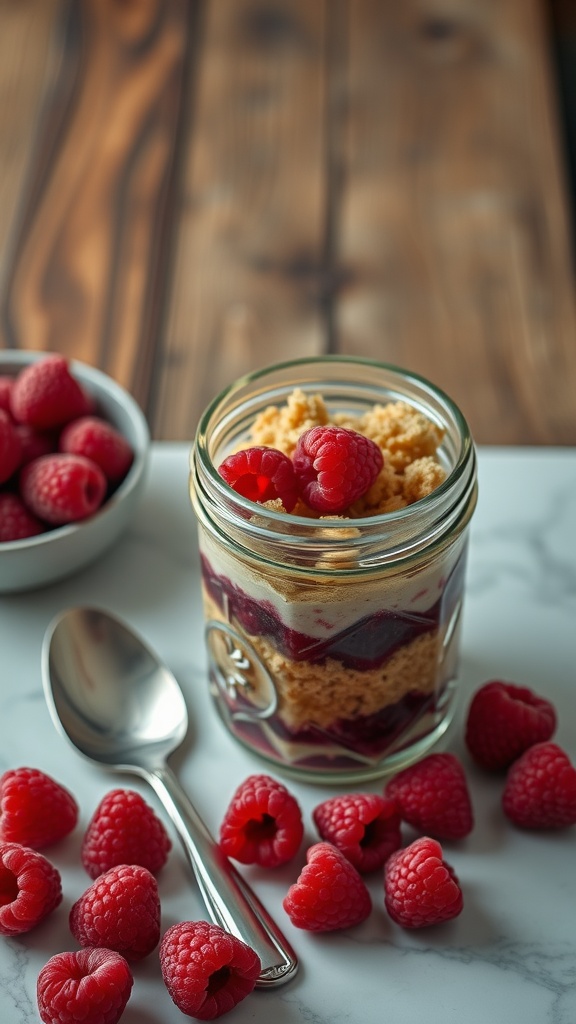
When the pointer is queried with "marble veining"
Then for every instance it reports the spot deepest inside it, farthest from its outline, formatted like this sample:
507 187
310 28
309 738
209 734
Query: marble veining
510 958
14 971
533 548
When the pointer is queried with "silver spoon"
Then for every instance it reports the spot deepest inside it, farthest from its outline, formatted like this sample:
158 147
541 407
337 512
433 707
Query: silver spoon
120 706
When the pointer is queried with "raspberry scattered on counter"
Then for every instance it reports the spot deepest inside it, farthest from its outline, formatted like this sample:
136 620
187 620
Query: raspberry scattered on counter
420 888
262 824
207 971
30 888
121 911
365 827
503 721
35 810
92 986
329 893
433 796
540 789
124 829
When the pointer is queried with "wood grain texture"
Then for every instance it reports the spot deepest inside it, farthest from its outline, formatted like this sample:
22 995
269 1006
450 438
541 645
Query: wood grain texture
86 277
25 53
247 287
453 216
190 190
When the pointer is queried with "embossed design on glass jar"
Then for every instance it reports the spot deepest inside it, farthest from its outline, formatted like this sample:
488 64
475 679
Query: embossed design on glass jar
239 676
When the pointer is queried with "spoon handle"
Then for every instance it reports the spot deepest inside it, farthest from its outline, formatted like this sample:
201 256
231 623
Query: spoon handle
230 901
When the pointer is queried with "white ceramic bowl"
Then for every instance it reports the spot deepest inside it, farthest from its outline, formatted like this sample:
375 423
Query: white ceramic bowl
37 561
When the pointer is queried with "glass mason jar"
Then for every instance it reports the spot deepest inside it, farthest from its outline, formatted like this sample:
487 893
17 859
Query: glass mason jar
333 644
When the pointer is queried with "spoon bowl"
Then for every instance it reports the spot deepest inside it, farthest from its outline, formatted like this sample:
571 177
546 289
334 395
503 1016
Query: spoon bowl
120 707
116 703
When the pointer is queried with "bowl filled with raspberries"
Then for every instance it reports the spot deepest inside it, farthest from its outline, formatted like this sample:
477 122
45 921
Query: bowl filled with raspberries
74 448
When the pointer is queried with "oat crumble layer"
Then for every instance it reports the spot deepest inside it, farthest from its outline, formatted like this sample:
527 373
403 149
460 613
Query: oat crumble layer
319 693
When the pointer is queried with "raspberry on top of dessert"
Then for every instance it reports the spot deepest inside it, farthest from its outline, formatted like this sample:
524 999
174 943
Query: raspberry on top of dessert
408 440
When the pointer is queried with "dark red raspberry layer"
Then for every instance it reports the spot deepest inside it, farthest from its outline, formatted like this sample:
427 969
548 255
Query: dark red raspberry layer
364 645
369 735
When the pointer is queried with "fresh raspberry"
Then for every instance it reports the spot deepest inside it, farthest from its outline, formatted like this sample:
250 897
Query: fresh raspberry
433 796
262 824
540 789
91 986
261 474
328 894
34 442
335 466
35 810
503 721
10 447
121 911
5 391
124 830
62 488
364 826
98 440
46 395
16 521
419 887
30 888
206 971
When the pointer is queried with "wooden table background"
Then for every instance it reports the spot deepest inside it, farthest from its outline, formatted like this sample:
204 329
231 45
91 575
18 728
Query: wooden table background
191 189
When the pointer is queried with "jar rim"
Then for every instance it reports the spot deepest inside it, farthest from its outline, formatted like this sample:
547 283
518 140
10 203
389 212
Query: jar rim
420 507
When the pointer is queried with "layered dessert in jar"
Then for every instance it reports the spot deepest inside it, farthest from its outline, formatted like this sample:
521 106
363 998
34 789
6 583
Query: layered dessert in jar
333 585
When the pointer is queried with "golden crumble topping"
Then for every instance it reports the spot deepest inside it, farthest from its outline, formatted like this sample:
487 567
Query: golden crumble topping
281 427
421 477
403 433
409 442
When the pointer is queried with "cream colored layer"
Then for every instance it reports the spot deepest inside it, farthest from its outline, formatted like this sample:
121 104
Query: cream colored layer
322 607
319 694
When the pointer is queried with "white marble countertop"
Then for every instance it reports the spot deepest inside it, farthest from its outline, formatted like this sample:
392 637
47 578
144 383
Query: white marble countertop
511 955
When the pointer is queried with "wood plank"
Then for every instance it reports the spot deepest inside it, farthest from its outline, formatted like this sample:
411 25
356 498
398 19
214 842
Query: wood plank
561 16
25 53
87 274
360 176
453 231
248 286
